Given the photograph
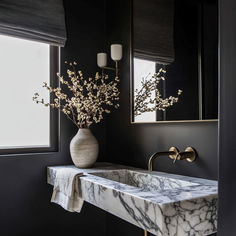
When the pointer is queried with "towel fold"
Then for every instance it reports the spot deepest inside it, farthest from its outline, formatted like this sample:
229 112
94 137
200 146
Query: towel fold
66 192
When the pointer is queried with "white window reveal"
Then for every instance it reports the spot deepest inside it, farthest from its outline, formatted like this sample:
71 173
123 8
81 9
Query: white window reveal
143 68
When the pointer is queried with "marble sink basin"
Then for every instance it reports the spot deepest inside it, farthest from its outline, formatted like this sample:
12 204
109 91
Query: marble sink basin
147 182
163 204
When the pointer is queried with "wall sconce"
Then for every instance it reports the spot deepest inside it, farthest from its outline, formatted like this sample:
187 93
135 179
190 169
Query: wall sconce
116 55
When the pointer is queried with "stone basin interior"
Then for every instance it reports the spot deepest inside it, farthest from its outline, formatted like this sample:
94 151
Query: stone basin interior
147 182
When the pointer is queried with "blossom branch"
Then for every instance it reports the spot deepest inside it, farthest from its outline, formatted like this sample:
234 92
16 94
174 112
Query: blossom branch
90 97
144 100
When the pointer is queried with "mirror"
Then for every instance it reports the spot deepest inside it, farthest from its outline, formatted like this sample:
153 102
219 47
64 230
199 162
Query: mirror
174 60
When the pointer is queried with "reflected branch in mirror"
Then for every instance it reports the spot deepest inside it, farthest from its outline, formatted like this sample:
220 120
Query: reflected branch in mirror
148 98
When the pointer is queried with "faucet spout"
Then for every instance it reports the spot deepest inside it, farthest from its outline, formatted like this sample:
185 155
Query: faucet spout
172 153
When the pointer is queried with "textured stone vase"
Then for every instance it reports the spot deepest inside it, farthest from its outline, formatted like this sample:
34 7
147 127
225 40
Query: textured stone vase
84 149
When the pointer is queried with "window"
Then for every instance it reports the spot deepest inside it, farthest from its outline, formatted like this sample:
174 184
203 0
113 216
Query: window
24 66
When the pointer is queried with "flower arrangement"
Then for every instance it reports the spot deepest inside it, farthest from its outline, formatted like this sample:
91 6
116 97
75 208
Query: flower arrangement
82 100
144 100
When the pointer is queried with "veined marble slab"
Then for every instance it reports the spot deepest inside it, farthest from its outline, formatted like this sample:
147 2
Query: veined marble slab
163 204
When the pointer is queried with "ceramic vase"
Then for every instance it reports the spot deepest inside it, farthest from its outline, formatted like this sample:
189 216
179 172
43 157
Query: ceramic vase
84 148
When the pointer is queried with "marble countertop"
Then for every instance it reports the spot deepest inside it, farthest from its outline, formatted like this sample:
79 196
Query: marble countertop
188 209
98 167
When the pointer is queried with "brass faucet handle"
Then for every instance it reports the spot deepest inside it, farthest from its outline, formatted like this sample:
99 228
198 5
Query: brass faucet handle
173 153
191 154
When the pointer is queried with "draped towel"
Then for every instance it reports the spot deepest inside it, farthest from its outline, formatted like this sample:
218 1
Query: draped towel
66 189
39 20
153 30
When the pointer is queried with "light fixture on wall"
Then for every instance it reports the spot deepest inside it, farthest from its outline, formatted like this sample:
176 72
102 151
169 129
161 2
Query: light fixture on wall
116 55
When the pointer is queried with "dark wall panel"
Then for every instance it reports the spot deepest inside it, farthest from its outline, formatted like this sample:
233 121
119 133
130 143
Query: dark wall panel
227 147
25 207
132 144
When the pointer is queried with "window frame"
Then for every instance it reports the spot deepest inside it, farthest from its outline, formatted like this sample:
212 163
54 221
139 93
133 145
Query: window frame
54 54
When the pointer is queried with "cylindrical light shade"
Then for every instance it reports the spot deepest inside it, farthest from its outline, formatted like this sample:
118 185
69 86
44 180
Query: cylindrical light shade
102 59
116 52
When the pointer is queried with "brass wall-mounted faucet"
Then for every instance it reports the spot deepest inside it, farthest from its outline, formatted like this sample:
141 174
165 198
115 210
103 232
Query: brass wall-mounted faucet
189 154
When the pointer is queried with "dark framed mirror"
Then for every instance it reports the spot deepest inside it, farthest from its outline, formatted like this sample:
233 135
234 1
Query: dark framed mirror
174 59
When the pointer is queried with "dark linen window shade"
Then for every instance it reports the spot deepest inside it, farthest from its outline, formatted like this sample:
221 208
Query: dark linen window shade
39 20
153 30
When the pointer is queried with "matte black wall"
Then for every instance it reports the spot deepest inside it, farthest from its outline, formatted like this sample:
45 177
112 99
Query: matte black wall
132 144
25 202
227 147
25 207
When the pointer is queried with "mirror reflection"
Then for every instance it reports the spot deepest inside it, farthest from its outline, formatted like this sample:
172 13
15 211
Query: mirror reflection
175 60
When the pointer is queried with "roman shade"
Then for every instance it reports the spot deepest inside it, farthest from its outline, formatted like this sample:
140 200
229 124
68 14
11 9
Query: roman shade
39 20
153 30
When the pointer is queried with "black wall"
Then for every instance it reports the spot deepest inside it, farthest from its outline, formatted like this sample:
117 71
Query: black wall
25 207
227 147
132 144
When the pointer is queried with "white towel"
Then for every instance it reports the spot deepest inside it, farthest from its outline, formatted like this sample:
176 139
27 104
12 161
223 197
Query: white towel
66 192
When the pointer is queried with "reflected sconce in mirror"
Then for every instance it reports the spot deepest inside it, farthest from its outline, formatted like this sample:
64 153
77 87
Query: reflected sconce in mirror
116 55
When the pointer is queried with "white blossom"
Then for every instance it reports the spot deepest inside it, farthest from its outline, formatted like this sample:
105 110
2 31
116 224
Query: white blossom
83 101
144 101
